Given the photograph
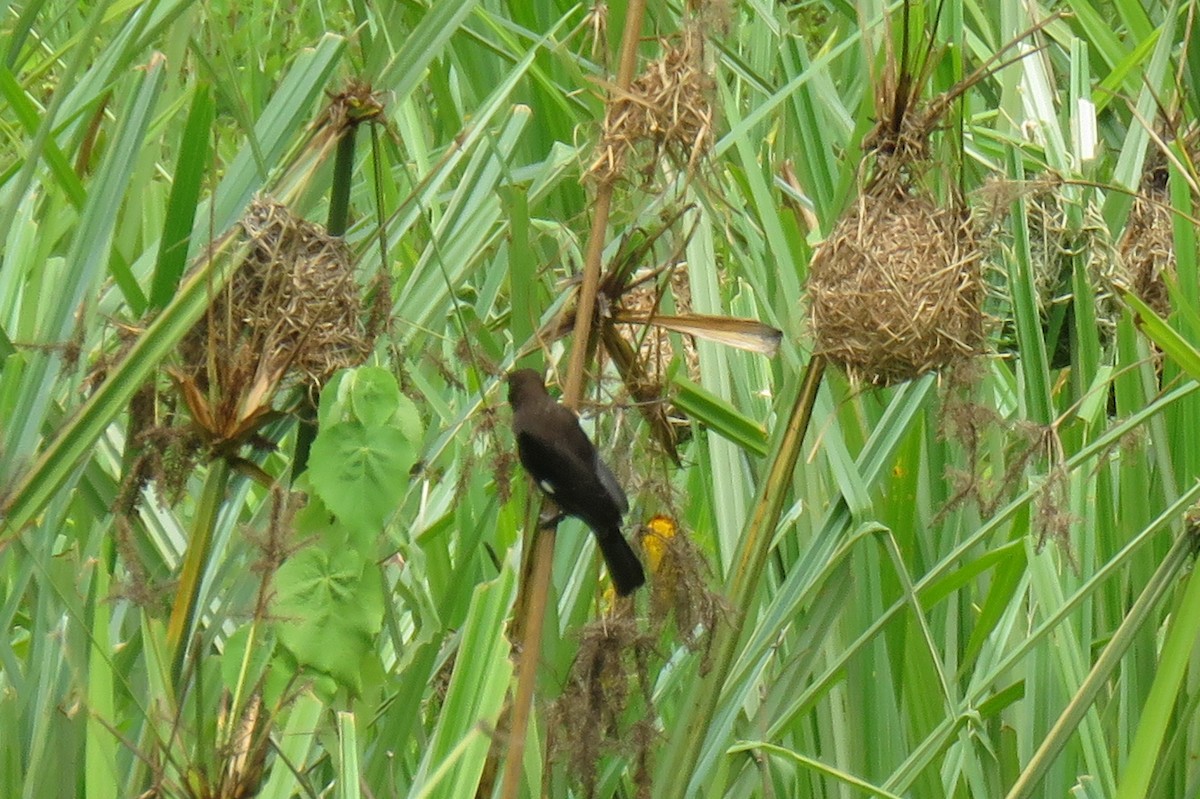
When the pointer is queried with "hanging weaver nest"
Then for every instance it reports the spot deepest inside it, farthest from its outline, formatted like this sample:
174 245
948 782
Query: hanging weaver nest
1056 243
895 290
668 106
1147 244
290 315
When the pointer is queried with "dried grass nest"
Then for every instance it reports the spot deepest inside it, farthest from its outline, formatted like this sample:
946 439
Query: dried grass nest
653 344
895 291
292 311
668 106
290 315
1147 246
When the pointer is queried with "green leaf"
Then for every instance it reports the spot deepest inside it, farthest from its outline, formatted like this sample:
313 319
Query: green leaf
720 415
1155 328
239 671
185 193
359 471
371 395
330 606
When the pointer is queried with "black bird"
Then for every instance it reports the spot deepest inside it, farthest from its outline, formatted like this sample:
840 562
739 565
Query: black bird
564 463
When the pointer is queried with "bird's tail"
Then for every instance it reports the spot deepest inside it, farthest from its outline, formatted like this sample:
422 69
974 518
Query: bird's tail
623 565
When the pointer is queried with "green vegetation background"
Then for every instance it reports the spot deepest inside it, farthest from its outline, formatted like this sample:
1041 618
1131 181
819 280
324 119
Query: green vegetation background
1034 637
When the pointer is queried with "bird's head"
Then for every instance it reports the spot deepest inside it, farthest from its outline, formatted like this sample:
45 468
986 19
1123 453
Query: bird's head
525 385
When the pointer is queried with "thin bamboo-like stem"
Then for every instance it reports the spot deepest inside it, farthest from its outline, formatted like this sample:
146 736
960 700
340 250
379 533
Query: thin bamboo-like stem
689 732
543 554
183 613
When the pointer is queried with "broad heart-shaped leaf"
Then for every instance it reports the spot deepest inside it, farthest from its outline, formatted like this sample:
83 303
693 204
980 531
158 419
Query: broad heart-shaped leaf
360 471
371 395
368 394
330 607
408 419
374 394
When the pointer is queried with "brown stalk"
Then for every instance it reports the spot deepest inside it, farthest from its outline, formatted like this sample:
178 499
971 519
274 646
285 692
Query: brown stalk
543 554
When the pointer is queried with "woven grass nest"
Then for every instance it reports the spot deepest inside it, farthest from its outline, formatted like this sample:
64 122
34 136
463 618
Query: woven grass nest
668 107
290 315
292 307
1147 246
895 290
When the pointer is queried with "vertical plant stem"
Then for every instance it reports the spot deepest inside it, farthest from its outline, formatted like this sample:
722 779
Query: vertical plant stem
531 647
543 553
690 731
585 310
183 613
339 190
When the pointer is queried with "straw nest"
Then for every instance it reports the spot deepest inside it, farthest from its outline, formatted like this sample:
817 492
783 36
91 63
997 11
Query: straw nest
895 290
290 315
1147 245
653 344
292 310
668 107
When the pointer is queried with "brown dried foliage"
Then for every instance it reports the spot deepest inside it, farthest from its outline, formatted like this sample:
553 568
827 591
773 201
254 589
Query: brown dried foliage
135 583
680 588
967 423
1051 519
233 770
1147 244
668 107
989 482
588 719
654 348
596 714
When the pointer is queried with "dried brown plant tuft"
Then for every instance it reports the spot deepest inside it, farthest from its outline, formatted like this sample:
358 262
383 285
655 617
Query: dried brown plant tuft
589 719
679 589
291 314
668 107
1147 244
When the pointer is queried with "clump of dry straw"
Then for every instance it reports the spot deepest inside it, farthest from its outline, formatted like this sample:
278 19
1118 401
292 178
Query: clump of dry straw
1147 246
668 106
291 314
896 289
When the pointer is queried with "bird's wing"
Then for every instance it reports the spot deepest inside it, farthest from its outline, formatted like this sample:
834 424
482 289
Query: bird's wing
549 461
575 439
578 488
609 481
581 446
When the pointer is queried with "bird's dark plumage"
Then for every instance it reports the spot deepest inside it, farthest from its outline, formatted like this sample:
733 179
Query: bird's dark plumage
563 461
